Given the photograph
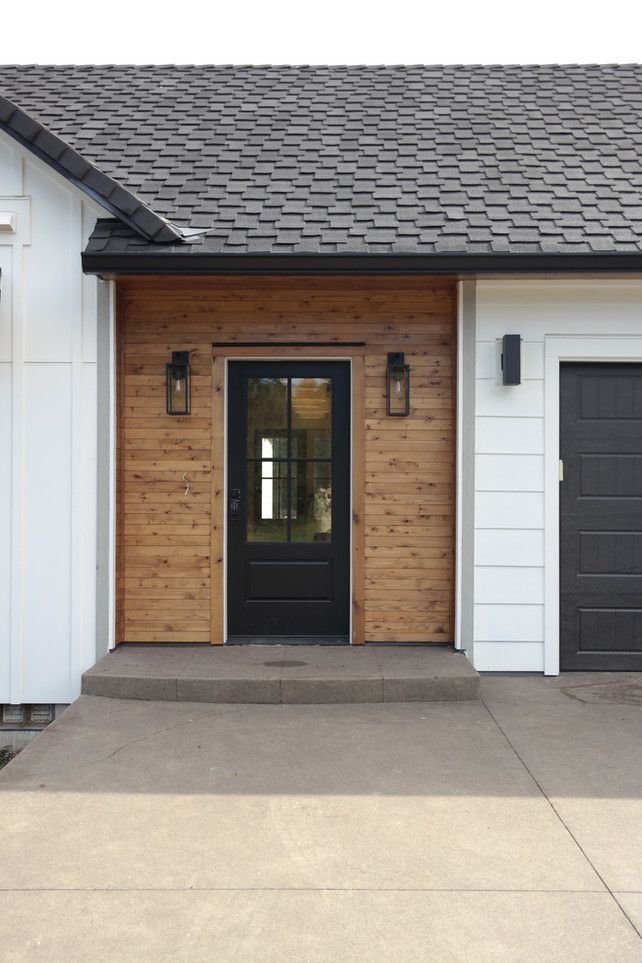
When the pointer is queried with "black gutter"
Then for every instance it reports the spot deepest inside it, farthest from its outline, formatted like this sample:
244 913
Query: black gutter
191 263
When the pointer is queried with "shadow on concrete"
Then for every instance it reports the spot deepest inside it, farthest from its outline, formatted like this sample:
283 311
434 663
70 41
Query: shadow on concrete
526 734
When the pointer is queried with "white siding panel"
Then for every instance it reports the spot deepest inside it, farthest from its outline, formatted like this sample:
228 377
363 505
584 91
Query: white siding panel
6 296
509 473
5 531
509 623
552 307
520 401
500 435
507 657
46 557
509 510
49 300
537 308
88 526
503 585
488 359
509 547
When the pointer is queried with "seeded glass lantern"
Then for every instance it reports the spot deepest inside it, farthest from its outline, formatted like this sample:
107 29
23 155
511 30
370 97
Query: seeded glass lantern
397 385
178 386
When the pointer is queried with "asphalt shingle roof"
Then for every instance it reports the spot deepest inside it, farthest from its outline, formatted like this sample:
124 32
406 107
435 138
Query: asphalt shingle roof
357 160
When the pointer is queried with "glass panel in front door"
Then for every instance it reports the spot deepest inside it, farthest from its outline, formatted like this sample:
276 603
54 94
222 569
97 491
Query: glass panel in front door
289 467
267 501
267 417
311 406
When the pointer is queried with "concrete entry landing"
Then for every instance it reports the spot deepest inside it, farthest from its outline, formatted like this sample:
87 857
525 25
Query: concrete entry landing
282 674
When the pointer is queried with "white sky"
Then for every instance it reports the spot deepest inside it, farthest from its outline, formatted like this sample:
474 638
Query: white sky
321 31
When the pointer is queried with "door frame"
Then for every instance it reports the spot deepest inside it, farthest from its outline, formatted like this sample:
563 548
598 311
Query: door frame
222 354
557 349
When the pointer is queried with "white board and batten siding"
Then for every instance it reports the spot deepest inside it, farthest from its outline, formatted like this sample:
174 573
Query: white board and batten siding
511 439
47 435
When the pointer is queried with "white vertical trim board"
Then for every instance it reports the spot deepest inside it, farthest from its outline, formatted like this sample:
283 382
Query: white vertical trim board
103 455
17 477
465 468
111 563
77 494
459 465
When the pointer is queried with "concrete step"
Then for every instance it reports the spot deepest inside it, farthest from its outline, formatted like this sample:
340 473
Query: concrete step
284 674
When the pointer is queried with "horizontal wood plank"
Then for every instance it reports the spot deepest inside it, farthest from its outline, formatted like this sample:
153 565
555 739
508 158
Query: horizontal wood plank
165 562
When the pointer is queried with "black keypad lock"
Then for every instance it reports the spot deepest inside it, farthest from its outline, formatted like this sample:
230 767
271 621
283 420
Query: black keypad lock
235 503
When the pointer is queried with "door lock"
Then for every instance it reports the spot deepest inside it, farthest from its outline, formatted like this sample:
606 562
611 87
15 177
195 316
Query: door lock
235 504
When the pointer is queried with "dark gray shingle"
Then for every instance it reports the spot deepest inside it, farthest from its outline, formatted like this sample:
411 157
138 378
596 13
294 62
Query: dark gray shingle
350 159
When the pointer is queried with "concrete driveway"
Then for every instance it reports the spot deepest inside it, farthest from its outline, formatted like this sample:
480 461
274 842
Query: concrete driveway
509 829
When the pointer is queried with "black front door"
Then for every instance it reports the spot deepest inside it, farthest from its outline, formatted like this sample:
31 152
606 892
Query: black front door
601 516
288 487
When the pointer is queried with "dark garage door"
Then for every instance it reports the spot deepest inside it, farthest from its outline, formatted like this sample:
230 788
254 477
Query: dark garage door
601 517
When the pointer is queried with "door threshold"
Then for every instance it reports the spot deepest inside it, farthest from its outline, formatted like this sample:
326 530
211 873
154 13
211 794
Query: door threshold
288 640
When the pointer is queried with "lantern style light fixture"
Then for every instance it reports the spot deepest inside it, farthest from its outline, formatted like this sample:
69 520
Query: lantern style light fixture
397 385
177 382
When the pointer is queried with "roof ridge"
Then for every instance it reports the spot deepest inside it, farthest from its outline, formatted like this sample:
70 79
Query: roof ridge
101 187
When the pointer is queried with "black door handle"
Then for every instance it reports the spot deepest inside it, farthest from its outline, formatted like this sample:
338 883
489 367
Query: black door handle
235 504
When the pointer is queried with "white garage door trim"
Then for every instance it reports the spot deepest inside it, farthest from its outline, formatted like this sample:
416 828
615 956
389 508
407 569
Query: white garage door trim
556 350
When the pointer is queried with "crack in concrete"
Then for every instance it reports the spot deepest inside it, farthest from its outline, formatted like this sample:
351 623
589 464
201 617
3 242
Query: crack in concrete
563 823
132 742
157 732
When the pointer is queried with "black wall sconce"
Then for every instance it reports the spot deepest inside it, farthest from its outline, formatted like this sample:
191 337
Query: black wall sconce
397 385
511 359
177 383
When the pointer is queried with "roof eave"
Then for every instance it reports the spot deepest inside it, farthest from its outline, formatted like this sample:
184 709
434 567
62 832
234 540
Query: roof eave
474 264
74 167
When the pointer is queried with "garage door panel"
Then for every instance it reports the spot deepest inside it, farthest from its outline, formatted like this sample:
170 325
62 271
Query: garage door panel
610 475
601 517
609 629
596 436
610 553
603 397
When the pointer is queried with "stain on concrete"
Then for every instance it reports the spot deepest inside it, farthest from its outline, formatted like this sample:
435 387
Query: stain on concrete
284 664
617 693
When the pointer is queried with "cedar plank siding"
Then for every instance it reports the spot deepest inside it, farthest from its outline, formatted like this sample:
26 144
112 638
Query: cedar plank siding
164 536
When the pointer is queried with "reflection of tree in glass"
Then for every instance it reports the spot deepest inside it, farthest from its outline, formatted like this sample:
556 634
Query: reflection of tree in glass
267 415
323 508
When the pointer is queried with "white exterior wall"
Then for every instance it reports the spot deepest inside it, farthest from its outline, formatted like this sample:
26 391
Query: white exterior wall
47 435
517 450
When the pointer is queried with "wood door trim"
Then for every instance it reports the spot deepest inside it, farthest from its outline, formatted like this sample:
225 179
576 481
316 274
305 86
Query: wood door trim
217 518
288 344
282 352
358 500
220 355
